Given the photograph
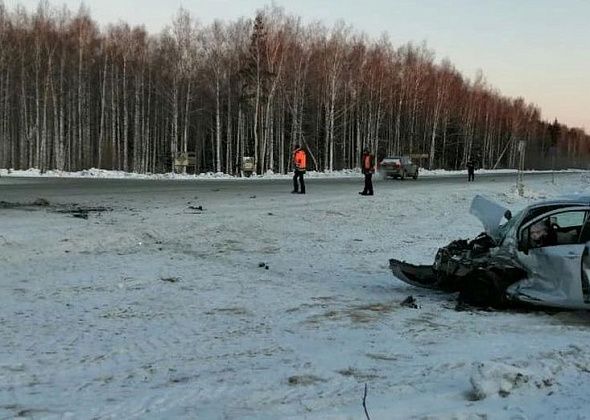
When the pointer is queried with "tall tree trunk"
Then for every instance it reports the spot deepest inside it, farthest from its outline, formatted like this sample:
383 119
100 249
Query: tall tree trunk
35 157
102 114
80 120
331 123
43 146
239 141
217 126
174 127
282 138
229 135
114 153
60 142
434 127
186 127
256 112
9 152
145 122
398 125
26 130
71 130
136 127
125 118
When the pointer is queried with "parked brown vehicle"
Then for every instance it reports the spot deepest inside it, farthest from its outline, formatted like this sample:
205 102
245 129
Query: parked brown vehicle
398 167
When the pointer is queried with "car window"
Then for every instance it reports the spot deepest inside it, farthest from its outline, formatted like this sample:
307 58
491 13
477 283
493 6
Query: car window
537 211
558 229
571 219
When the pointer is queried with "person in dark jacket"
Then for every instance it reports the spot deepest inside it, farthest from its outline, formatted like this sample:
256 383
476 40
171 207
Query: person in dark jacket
470 170
368 167
299 166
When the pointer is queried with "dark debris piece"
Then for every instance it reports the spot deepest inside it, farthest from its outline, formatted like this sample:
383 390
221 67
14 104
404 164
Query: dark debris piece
410 302
7 205
83 212
40 202
464 306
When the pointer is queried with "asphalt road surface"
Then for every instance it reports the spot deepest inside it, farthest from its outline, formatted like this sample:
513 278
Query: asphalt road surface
95 190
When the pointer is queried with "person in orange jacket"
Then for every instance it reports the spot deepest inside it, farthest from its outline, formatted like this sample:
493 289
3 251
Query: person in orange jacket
368 167
299 166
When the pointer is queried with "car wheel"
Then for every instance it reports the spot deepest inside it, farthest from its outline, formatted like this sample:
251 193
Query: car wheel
485 289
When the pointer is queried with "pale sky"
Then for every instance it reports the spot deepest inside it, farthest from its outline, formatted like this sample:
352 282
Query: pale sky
537 49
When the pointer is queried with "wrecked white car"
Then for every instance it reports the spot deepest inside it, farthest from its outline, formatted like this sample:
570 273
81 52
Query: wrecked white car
538 256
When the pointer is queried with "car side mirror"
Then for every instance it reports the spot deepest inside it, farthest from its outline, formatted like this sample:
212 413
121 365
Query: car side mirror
523 241
508 215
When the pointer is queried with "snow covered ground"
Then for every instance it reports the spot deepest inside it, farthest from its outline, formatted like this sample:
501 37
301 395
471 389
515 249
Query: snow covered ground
265 305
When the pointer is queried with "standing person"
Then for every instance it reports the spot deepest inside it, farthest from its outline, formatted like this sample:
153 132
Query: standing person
368 166
470 170
299 166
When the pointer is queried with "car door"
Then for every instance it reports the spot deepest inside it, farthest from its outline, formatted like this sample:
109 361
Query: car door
552 248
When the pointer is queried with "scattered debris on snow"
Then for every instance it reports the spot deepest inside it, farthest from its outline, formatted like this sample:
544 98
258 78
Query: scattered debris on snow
170 279
40 202
304 380
82 212
409 302
73 209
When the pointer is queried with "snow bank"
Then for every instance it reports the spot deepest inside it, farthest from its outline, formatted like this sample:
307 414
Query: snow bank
108 174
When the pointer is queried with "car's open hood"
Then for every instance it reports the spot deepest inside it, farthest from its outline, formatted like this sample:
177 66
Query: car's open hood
489 213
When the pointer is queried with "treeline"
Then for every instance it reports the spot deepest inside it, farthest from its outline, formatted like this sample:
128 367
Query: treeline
74 97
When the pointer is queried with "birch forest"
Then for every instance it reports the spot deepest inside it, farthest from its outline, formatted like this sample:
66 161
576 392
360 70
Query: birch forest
75 95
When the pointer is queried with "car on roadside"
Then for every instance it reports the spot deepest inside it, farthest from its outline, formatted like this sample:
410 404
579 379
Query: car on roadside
539 256
397 167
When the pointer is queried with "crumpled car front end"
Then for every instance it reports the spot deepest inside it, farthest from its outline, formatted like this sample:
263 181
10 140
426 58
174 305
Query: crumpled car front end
477 269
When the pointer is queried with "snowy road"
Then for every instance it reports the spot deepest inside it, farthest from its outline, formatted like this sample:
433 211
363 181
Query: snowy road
265 305
19 189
